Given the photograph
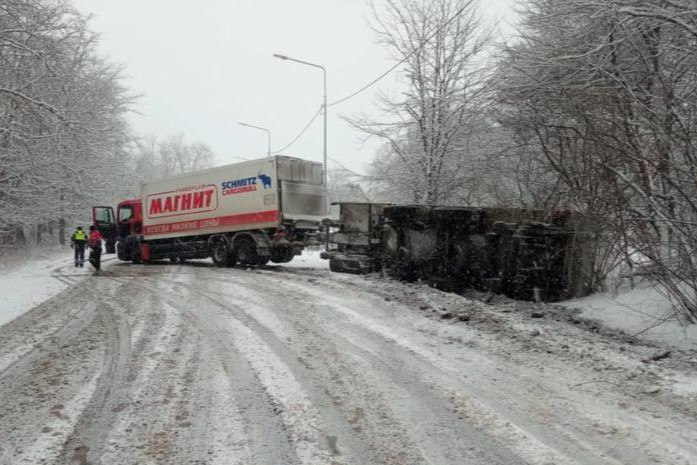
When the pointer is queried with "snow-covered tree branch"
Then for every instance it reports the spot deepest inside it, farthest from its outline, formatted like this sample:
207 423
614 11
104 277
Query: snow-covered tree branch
606 94
427 129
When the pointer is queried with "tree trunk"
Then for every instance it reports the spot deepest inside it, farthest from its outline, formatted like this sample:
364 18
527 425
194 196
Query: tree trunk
61 231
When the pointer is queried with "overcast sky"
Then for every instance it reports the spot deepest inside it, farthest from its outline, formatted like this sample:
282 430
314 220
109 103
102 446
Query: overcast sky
202 67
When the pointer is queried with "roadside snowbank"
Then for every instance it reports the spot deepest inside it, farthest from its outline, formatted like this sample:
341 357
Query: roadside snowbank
27 283
642 312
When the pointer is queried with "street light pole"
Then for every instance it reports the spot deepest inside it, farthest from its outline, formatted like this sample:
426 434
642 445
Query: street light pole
268 135
324 108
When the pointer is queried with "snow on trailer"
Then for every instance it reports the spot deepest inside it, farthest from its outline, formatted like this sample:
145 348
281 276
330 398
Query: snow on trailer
250 213
525 254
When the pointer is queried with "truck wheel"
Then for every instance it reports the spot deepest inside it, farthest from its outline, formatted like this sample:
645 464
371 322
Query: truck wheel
121 252
220 253
231 260
335 265
282 254
246 251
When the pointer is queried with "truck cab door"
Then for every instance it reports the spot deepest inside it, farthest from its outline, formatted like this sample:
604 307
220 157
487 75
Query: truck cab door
105 221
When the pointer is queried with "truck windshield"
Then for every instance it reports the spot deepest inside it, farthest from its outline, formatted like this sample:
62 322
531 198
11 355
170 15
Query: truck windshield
125 213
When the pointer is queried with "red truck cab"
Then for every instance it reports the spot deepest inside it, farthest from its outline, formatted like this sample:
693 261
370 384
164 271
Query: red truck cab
129 218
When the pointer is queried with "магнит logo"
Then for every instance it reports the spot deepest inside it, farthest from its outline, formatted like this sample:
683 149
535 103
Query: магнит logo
193 199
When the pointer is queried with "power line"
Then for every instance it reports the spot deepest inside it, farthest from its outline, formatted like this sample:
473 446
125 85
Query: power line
423 44
307 126
370 84
376 80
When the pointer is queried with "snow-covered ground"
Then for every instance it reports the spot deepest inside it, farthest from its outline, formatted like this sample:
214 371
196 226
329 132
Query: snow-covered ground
26 282
292 364
644 312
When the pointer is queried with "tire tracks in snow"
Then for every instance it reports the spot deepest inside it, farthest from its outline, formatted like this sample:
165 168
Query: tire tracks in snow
45 390
302 427
25 333
194 364
234 423
109 394
398 419
561 427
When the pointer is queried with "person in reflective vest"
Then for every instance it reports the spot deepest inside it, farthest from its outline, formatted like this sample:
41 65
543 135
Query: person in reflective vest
95 244
77 242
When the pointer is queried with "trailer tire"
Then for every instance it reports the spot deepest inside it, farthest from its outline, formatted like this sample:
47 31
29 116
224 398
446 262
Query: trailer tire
220 253
335 266
245 249
231 261
282 254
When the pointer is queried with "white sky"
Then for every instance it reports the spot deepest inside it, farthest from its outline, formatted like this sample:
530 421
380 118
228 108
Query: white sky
202 67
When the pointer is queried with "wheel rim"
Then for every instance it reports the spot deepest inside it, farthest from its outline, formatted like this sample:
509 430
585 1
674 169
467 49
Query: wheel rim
219 252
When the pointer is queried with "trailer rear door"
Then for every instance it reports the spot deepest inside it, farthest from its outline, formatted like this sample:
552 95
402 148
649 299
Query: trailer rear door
303 196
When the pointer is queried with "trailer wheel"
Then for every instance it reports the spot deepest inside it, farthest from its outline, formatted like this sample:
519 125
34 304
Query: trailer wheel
282 254
220 253
336 266
246 251
231 259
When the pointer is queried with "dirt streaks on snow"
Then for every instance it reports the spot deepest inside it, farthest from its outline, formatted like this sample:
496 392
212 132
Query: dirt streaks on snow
179 364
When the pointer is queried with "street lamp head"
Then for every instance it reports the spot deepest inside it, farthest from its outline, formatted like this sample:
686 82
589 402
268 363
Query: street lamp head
267 131
282 57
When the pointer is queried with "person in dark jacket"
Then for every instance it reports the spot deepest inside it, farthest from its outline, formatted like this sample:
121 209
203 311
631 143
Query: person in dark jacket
77 242
95 244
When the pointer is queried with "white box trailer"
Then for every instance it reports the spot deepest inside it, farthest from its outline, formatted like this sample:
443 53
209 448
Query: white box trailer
249 212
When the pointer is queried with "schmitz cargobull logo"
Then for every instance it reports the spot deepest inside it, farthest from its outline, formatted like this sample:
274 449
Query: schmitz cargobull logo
183 201
243 185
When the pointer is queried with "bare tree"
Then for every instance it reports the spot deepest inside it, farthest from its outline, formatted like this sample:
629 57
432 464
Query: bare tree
440 43
345 185
150 158
62 124
606 93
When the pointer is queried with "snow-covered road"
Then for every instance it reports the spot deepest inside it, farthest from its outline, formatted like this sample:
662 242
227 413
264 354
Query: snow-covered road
190 364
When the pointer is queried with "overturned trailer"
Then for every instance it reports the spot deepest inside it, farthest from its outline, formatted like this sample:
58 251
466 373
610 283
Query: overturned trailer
524 254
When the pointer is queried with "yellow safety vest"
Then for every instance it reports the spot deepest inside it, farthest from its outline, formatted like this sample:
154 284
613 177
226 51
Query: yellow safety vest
80 235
